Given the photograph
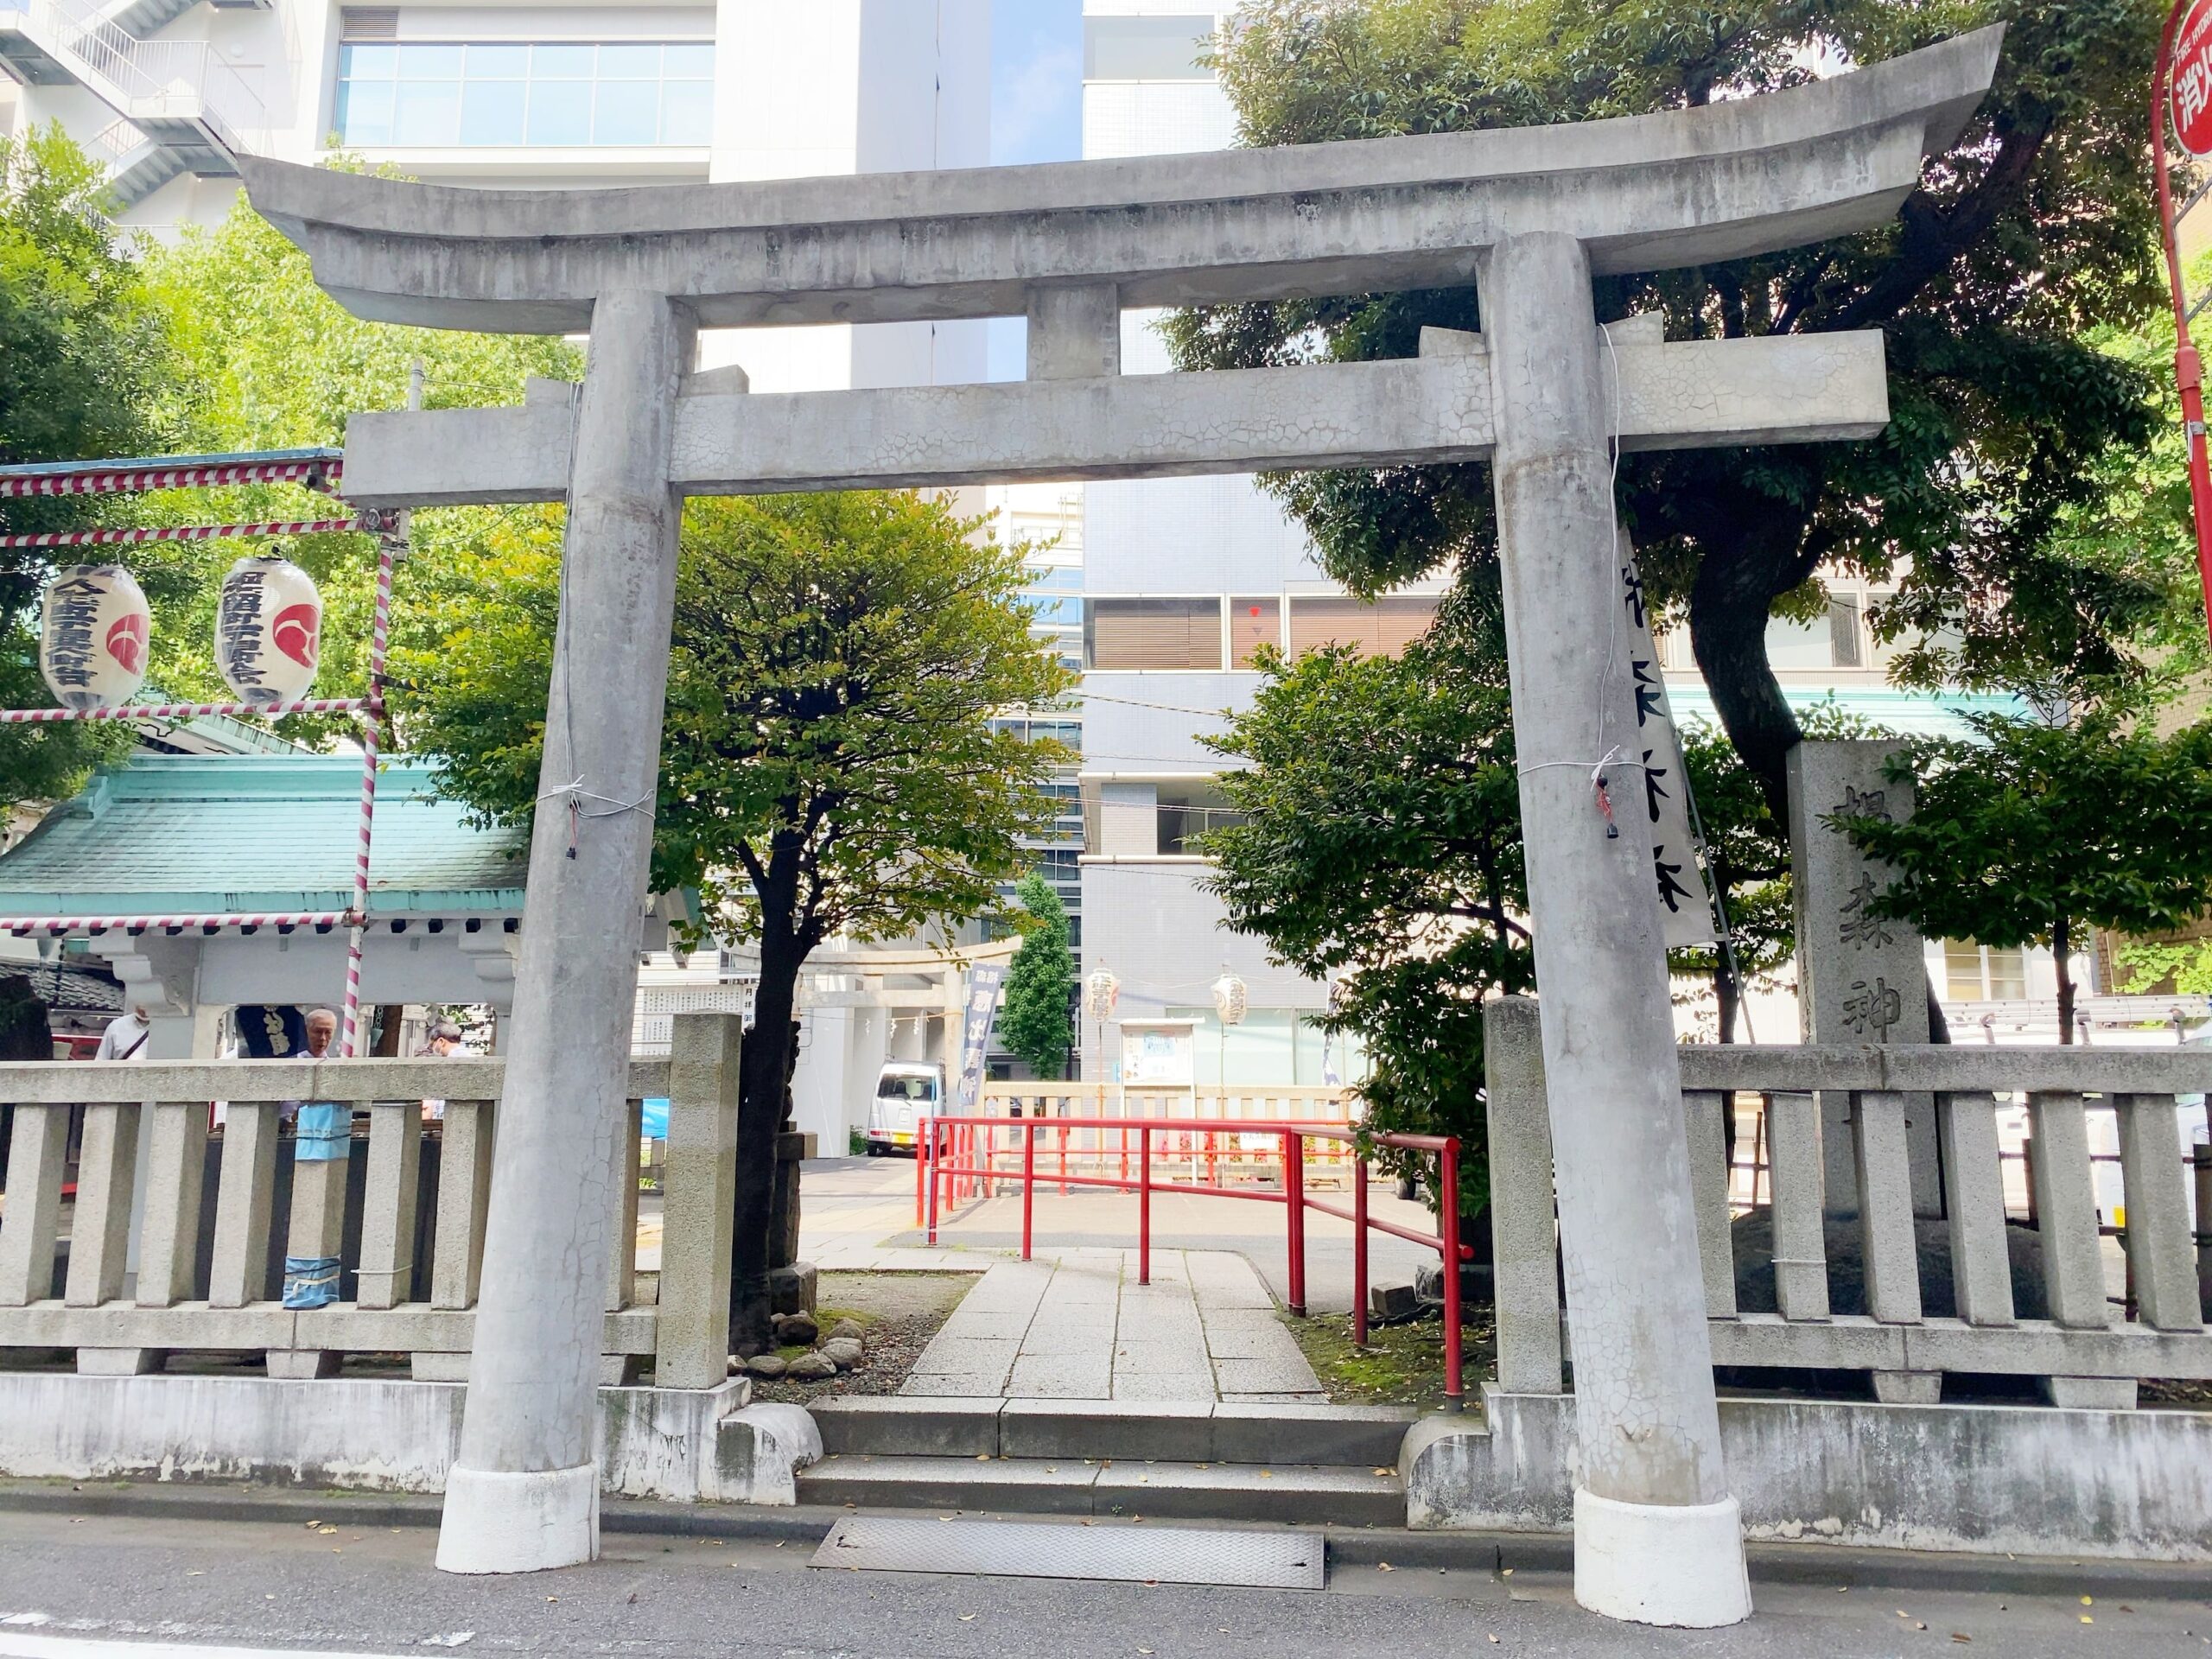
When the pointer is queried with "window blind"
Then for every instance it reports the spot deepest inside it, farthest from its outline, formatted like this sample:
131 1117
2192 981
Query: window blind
1153 632
1382 629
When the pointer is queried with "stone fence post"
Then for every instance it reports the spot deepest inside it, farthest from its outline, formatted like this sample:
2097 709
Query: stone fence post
698 1213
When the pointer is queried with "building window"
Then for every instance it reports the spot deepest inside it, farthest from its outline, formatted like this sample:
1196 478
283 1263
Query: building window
1152 634
1146 48
512 93
1253 623
1847 643
1982 973
1383 628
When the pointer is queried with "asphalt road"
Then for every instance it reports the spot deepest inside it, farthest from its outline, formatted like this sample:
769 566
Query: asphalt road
102 1583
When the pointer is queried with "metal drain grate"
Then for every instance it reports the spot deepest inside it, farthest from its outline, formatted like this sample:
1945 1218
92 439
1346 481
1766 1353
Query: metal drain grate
1029 1549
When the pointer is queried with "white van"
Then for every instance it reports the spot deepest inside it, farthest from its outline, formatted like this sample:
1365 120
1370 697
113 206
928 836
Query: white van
906 1094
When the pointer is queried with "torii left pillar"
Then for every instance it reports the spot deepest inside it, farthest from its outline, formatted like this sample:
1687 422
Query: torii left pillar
524 1492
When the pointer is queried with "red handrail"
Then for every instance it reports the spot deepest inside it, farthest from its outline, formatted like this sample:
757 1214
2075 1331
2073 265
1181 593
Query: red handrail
945 1153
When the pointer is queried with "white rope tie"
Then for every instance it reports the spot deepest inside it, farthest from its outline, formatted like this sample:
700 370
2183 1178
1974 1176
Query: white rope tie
575 794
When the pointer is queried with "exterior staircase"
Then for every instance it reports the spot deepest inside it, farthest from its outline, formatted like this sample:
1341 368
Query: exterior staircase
181 105
1290 1463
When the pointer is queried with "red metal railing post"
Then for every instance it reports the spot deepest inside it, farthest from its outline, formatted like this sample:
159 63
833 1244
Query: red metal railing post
934 1161
1359 1253
1293 1191
921 1167
1028 1181
1144 1203
1448 1225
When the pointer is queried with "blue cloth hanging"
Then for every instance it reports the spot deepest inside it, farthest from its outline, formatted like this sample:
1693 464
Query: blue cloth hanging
324 1132
310 1281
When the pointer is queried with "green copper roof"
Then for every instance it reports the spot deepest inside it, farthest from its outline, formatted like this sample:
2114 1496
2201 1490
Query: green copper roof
225 833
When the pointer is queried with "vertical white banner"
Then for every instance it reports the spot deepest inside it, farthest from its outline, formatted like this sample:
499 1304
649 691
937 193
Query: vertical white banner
1665 802
985 980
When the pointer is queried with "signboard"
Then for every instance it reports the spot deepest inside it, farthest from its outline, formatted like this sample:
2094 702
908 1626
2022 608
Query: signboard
2189 86
1665 804
1153 1056
984 980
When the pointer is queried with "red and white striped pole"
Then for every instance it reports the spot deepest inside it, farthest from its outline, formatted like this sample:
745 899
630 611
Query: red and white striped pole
315 473
144 533
372 732
182 711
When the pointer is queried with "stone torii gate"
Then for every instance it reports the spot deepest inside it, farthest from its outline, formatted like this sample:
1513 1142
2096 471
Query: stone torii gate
1542 392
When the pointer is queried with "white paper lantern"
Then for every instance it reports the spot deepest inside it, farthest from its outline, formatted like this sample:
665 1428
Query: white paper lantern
1230 999
93 636
269 631
1100 992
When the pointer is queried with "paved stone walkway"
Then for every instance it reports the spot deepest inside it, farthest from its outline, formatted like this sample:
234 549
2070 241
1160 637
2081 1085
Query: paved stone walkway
1079 1326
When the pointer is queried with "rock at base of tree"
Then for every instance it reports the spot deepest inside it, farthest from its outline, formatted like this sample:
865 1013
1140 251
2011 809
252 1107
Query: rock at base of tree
847 1328
843 1353
810 1367
790 1290
766 1365
797 1330
1478 1285
1389 1303
1751 1237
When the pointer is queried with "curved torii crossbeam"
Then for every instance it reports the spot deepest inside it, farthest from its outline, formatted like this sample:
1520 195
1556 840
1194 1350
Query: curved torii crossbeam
1541 391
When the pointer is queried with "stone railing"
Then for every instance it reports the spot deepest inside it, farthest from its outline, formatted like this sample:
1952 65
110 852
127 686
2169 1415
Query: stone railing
214 1212
1970 1289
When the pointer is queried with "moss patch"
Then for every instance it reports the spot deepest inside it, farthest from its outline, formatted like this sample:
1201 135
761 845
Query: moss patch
1401 1365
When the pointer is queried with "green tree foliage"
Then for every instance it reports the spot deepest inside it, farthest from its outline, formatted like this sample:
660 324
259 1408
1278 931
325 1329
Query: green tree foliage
829 765
2031 833
1381 848
85 355
2034 228
2183 966
1033 1022
267 361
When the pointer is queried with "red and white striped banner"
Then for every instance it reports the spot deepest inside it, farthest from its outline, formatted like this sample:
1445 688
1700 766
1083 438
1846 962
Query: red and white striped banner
125 480
20 925
179 533
182 711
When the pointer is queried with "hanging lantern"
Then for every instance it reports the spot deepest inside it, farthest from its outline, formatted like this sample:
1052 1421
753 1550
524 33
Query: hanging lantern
93 636
1100 993
1230 999
269 631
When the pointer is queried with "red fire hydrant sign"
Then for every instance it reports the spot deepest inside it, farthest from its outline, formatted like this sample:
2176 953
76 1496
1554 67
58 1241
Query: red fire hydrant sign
2191 90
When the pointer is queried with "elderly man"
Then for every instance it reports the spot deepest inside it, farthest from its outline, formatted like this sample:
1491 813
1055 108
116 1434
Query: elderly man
126 1036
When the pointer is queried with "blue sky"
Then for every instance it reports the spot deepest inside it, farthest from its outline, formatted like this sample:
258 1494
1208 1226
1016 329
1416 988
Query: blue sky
1036 114
1036 80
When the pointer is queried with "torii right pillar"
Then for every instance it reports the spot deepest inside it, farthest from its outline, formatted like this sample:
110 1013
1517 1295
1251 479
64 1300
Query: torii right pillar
1658 1537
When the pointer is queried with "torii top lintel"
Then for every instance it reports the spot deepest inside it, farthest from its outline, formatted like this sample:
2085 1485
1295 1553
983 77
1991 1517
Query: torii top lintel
1642 193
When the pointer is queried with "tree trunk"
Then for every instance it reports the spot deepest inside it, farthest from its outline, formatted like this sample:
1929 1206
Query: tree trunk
2061 945
1725 992
762 1070
1728 617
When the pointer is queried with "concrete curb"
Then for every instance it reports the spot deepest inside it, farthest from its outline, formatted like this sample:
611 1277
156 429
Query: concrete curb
1534 1554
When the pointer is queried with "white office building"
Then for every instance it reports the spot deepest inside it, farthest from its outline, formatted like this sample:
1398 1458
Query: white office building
613 93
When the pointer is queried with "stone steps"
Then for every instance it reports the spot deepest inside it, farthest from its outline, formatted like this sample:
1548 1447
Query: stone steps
1166 1431
1292 1462
1304 1494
